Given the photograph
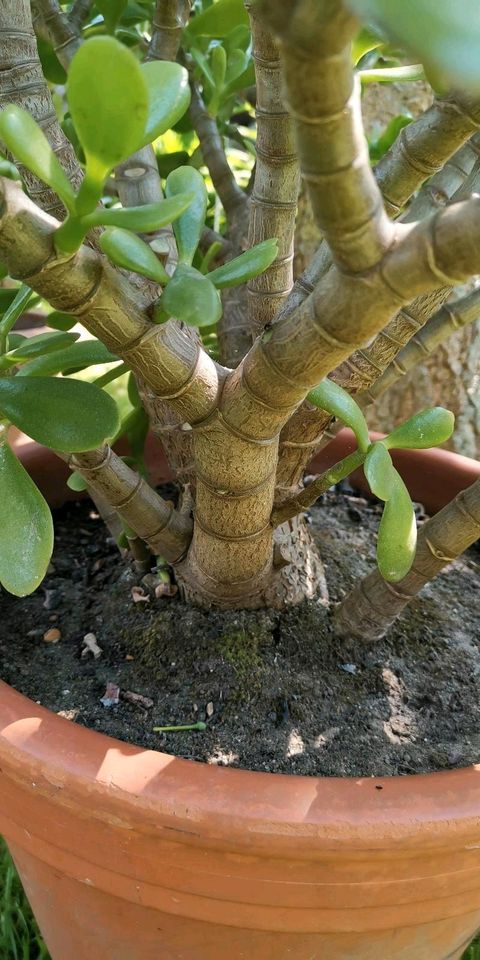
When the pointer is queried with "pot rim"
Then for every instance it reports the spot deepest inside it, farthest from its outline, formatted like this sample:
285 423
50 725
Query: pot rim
238 807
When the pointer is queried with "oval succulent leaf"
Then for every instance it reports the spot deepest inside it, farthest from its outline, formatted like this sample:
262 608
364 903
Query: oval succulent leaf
26 528
335 400
23 298
444 35
219 19
129 251
379 471
87 353
108 101
144 219
66 415
28 143
60 321
188 227
111 11
40 345
76 482
365 42
168 96
218 62
397 535
191 297
248 265
425 429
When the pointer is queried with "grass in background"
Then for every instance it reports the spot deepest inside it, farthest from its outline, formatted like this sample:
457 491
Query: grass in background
19 935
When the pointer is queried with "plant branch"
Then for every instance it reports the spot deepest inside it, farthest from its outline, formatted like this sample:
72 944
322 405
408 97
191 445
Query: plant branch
49 17
170 361
166 531
374 605
314 490
316 53
345 311
457 179
170 19
22 82
446 321
233 198
273 200
422 148
79 13
303 434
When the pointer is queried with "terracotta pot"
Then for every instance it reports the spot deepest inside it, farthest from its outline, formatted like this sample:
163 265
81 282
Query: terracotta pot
131 854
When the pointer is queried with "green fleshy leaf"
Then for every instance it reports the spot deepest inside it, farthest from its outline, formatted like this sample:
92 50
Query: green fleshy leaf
204 65
408 73
335 400
247 265
397 534
60 321
7 296
379 471
28 143
51 67
379 147
219 19
241 82
428 428
364 42
40 345
144 219
9 171
218 64
168 96
66 415
76 482
108 102
130 252
15 340
26 528
238 61
237 39
23 298
111 11
170 161
85 353
445 36
191 297
188 228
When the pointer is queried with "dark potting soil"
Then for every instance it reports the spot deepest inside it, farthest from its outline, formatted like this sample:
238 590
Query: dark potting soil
278 692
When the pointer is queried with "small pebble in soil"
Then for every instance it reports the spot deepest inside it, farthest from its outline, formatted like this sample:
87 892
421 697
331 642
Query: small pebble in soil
52 600
90 645
111 696
52 636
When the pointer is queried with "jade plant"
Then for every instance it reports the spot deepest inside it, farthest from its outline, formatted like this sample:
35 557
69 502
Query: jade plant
142 200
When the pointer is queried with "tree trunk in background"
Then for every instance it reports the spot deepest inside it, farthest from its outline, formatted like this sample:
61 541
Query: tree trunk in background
451 376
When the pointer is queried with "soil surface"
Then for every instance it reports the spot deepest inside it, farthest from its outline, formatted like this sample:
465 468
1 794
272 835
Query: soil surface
277 692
